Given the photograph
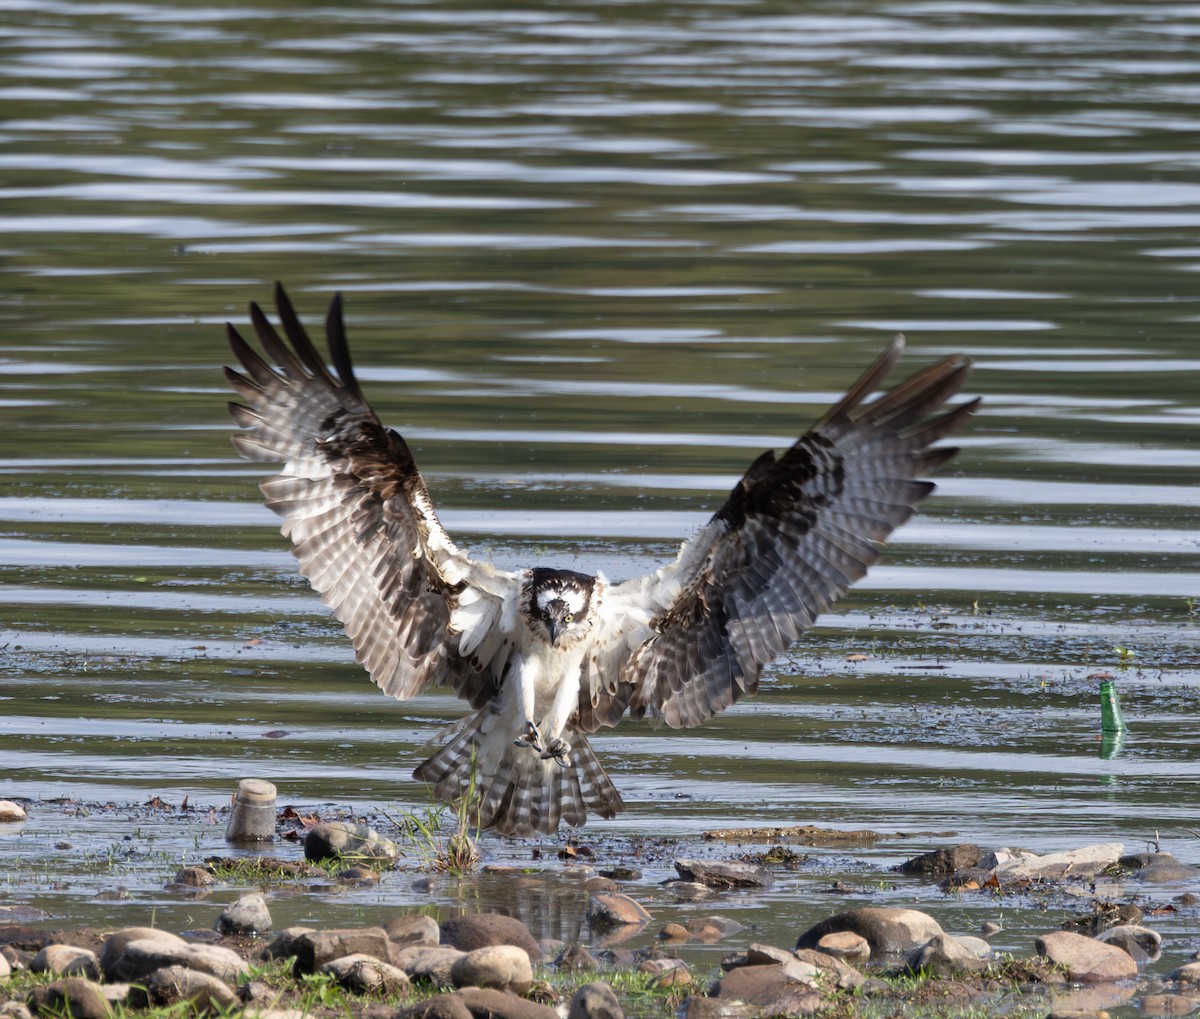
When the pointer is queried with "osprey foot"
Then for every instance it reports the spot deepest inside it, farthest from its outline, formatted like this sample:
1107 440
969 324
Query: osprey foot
530 738
559 751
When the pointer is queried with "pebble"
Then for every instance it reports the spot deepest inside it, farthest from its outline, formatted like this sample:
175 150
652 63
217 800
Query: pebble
249 915
12 812
505 967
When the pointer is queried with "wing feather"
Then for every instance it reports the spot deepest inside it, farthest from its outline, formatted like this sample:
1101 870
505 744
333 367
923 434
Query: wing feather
359 515
793 535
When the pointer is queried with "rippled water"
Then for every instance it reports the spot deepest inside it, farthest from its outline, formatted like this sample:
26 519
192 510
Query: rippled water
594 260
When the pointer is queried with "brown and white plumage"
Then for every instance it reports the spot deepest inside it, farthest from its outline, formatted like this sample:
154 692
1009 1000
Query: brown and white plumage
545 656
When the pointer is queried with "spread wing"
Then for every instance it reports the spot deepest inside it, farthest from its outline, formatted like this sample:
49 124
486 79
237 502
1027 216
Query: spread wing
416 608
794 534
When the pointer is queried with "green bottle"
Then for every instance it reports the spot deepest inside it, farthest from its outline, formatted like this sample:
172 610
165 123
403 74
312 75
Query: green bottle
1110 708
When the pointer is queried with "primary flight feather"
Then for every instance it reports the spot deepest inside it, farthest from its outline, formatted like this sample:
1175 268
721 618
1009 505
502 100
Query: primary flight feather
545 656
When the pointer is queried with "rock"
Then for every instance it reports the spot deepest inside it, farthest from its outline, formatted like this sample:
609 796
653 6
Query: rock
343 840
429 963
1103 916
845 945
674 933
1086 960
364 974
73 996
21 914
688 891
5 968
698 1007
66 960
836 972
313 949
667 972
358 875
988 928
479 930
596 1000
576 959
440 1006
942 956
614 909
761 986
249 915
886 929
1167 1004
505 967
115 943
622 873
173 984
141 958
194 877
942 862
12 813
1158 867
709 929
724 874
1142 944
1188 974
413 929
15 1010
976 946
283 945
486 1003
1085 862
601 884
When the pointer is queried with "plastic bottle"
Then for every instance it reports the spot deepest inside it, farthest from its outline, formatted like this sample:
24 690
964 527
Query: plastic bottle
252 818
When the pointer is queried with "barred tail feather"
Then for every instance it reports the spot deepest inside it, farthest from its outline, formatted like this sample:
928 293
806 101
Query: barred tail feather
519 794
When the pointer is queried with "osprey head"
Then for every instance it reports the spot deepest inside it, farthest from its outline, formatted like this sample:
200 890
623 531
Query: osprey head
560 603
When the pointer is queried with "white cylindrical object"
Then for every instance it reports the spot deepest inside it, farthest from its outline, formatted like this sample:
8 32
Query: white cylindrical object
252 818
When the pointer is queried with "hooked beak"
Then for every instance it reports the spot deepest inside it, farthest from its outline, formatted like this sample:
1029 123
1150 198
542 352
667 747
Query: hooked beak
553 626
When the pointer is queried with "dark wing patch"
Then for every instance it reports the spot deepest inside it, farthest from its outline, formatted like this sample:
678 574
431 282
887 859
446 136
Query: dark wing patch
359 515
794 534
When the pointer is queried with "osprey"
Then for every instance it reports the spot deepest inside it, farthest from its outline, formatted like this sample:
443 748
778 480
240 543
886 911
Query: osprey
546 656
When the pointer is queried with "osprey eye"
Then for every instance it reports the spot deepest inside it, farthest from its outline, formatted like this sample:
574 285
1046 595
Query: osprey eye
569 617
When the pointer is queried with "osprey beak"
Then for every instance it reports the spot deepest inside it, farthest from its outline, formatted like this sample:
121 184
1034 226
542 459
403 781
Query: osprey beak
552 625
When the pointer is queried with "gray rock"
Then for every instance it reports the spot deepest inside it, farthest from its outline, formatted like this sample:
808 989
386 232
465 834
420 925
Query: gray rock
364 974
440 1006
66 960
1142 944
479 930
576 959
73 996
1086 960
346 841
1187 975
1158 867
413 929
1085 862
596 1000
614 909
976 946
845 945
667 972
942 862
249 915
505 967
1168 1004
943 956
724 874
486 1003
313 949
173 984
5 968
283 945
688 891
195 877
837 973
141 958
887 929
114 946
430 964
761 986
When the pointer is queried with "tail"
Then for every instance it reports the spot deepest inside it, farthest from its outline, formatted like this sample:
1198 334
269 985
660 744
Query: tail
518 793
